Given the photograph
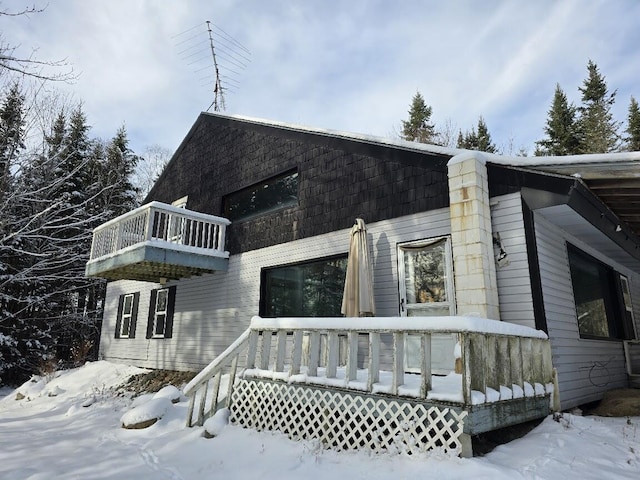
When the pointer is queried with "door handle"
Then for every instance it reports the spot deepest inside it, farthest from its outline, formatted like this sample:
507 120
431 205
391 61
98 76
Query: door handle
402 304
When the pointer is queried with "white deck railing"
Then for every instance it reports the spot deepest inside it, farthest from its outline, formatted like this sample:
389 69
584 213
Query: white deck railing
497 360
155 222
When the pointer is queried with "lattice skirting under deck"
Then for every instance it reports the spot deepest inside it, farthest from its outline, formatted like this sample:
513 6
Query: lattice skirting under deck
343 420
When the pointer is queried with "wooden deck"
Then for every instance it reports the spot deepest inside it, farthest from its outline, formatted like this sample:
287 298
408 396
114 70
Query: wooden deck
343 381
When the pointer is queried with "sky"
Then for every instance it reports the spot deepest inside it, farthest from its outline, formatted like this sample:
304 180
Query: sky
68 425
348 66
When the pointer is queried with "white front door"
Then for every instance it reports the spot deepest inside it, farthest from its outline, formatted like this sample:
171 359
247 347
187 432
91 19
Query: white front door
426 289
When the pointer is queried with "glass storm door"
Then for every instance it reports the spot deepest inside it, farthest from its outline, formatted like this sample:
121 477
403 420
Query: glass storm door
426 290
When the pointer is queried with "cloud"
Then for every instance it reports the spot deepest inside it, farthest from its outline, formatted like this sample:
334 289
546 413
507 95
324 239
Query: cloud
340 65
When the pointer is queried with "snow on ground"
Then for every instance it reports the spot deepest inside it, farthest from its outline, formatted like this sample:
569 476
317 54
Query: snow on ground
76 433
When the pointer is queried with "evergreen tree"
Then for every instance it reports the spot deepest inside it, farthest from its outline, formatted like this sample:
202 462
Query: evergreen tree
562 137
633 126
598 131
121 166
479 139
12 125
73 183
418 128
22 340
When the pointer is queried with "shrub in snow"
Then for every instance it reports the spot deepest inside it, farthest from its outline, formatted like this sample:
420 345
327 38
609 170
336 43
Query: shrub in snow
147 414
31 389
170 392
214 425
54 391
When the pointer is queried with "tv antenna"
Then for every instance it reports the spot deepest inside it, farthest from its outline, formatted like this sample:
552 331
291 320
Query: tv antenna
218 93
229 58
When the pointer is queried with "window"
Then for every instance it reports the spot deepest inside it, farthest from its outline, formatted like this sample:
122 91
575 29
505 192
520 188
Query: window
127 315
629 321
426 278
269 195
310 289
601 295
161 304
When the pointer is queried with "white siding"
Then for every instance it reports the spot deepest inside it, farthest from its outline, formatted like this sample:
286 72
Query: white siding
586 368
514 282
211 311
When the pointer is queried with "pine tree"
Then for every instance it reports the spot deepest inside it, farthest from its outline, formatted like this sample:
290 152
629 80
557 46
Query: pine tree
485 143
562 137
121 165
22 341
12 125
418 128
598 131
47 303
479 139
633 127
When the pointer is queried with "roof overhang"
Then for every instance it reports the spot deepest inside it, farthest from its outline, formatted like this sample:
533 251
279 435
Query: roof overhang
588 218
570 203
613 178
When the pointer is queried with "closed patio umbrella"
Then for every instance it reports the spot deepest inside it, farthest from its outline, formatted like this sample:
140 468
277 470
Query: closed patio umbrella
357 300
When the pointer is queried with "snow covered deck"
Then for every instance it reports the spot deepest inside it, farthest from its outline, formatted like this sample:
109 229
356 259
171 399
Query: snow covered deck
158 241
343 380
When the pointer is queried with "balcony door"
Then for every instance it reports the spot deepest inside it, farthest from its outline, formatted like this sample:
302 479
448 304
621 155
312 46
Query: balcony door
426 289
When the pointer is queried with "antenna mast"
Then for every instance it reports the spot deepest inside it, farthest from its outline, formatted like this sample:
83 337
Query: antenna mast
218 99
229 56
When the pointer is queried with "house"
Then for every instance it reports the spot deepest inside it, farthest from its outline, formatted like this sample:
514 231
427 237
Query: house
252 218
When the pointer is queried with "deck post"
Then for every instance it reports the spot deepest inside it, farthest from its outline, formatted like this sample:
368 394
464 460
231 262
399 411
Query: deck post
296 354
425 364
503 360
252 349
398 362
215 392
374 360
515 354
490 362
314 352
352 356
192 404
265 352
466 446
333 347
465 341
202 404
526 349
232 380
281 349
221 234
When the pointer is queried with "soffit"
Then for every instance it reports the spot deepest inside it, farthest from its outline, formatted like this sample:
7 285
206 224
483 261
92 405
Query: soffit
617 184
570 221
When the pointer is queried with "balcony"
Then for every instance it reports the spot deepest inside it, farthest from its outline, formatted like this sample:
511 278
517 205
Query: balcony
158 242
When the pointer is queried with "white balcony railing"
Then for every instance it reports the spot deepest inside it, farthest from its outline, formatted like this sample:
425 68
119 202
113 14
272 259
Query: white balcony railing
161 225
497 360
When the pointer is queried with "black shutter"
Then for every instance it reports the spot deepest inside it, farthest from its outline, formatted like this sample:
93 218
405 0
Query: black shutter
171 302
134 315
119 316
152 313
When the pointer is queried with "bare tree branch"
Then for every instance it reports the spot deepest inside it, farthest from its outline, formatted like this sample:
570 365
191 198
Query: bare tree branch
31 66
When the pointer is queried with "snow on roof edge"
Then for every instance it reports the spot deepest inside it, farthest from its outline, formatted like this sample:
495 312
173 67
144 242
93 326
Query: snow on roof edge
551 161
456 154
363 137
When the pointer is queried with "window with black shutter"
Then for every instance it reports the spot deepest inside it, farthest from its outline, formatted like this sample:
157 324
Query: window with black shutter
161 306
127 315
